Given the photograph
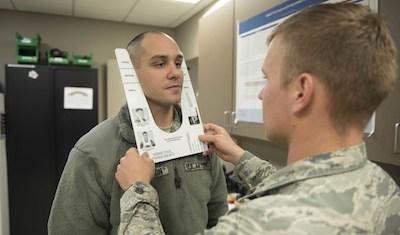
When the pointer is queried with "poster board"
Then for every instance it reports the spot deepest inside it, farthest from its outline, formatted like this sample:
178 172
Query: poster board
160 145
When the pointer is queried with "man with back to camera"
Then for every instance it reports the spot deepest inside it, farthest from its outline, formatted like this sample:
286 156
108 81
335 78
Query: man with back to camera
88 196
327 69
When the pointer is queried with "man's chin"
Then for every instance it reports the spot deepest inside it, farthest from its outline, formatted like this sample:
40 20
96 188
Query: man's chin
176 101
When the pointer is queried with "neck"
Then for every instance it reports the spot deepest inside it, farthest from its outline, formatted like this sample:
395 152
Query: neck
317 140
162 115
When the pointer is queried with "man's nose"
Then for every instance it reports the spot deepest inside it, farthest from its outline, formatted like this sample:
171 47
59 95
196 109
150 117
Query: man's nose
261 93
174 71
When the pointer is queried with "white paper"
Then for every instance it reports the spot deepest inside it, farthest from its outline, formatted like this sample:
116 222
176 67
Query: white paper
370 129
78 98
160 145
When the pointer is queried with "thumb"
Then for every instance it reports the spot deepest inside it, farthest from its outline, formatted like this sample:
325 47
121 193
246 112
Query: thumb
207 138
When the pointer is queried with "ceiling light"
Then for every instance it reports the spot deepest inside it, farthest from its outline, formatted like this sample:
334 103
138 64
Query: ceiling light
188 1
215 7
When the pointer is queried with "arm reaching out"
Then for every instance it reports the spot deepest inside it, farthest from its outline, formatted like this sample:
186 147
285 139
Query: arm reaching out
139 203
221 143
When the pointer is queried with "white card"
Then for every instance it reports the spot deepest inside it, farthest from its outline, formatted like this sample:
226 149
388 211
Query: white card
160 145
78 98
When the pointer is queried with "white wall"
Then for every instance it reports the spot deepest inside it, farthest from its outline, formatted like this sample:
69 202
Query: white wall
187 36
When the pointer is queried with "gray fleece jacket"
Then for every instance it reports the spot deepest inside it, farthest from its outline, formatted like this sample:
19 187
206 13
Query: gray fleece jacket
192 189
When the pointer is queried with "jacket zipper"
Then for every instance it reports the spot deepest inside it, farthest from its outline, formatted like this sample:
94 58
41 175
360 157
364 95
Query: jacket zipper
177 177
179 195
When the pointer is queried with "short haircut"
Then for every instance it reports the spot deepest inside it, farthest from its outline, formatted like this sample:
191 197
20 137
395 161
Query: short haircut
350 49
134 47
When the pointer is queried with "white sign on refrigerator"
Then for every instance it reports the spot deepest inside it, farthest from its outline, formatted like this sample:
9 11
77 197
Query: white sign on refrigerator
78 98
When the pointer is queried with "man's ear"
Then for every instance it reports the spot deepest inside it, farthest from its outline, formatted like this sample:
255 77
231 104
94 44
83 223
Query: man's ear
304 90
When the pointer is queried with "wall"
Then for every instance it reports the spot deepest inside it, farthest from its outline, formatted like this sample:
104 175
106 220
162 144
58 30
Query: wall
78 35
380 145
187 35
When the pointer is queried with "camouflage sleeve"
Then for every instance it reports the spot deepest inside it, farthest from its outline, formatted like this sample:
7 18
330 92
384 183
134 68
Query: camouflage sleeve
251 170
139 211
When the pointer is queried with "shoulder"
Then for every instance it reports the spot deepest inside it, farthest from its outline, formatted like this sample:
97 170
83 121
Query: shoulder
101 147
290 213
104 134
383 184
104 138
99 144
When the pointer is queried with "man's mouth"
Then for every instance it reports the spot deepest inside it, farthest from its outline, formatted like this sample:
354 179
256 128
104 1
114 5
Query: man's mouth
174 86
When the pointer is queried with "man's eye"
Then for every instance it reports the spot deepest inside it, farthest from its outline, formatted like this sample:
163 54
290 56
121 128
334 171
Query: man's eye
178 64
159 64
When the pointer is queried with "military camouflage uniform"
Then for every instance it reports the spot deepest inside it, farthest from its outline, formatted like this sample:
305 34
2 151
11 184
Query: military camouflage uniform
339 192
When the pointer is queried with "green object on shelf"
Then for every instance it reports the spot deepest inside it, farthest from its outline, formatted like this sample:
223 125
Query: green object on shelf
57 57
84 61
28 51
28 42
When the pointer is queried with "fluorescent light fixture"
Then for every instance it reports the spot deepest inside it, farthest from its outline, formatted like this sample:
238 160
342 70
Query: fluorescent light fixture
216 6
188 1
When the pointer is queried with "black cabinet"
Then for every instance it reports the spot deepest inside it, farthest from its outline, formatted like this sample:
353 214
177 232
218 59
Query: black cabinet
40 132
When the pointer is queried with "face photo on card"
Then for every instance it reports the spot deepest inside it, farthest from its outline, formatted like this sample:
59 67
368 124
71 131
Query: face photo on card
147 141
141 116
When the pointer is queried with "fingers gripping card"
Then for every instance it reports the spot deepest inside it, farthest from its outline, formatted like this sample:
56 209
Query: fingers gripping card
160 145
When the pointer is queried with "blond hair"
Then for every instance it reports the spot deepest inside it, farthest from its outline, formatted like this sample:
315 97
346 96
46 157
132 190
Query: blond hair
350 49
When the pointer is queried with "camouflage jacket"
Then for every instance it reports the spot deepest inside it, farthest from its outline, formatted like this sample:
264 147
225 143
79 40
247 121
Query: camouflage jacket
339 192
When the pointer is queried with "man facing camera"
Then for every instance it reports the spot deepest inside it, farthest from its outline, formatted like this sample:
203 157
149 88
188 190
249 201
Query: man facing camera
87 200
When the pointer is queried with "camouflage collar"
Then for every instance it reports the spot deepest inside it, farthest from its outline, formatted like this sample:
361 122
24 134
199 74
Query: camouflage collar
339 161
176 123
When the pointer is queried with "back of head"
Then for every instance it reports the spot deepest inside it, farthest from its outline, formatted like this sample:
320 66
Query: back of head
350 49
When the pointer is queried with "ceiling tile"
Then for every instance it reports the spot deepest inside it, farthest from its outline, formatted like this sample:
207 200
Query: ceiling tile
196 9
163 13
157 12
58 7
115 10
6 4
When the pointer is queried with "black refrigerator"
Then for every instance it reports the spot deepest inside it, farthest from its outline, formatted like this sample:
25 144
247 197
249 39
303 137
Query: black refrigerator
47 110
